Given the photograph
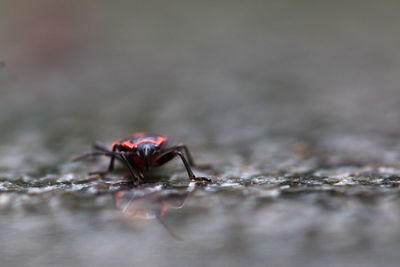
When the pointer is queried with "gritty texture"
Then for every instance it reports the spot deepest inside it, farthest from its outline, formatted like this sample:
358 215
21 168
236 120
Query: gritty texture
294 105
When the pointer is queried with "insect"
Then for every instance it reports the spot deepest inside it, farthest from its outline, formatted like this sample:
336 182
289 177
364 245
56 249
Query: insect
140 152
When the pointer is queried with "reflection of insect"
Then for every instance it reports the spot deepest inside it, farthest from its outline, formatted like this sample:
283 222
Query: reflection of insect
151 203
140 152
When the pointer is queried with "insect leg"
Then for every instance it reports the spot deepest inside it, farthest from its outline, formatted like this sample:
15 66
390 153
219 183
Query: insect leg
169 155
188 155
100 146
183 147
112 153
90 155
132 171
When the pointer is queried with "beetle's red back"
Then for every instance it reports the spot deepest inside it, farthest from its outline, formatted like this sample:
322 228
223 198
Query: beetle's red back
135 139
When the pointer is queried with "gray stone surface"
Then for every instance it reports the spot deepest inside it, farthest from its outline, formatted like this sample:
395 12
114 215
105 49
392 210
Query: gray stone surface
294 105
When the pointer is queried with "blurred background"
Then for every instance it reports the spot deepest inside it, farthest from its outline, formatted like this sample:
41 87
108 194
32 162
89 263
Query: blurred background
261 89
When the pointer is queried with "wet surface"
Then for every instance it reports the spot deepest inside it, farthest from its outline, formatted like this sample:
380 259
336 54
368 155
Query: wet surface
295 107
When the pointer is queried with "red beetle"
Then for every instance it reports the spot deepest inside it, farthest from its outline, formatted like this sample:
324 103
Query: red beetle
140 152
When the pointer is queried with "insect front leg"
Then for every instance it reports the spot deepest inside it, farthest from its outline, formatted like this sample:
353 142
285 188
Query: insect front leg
112 153
101 147
182 147
132 170
89 155
103 151
172 153
188 155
